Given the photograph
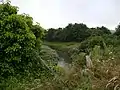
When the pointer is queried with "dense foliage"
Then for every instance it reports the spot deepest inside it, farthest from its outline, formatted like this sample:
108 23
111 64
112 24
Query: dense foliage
28 64
75 32
19 39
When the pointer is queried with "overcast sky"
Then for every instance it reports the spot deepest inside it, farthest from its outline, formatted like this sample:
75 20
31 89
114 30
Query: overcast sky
58 13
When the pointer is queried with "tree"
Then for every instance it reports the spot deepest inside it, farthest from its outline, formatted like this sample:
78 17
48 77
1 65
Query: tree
72 32
38 32
51 34
67 33
95 32
6 9
117 30
80 32
104 30
99 31
18 39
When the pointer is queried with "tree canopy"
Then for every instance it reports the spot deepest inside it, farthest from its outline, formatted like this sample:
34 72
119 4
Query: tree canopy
18 40
75 32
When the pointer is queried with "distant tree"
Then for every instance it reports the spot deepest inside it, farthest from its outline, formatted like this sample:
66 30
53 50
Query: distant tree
80 32
104 30
117 30
51 34
75 32
67 33
95 32
99 31
59 34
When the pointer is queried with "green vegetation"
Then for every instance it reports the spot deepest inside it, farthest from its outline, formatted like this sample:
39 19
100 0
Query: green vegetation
75 32
72 58
20 42
62 46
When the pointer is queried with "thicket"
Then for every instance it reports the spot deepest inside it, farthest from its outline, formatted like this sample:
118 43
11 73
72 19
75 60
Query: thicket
20 42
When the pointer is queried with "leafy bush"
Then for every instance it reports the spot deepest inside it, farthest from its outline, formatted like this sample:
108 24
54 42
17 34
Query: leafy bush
18 43
87 45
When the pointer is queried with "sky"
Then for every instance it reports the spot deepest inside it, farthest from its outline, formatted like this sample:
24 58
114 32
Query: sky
58 13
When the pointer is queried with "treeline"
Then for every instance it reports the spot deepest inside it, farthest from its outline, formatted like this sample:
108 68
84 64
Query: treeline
89 37
78 32
75 32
